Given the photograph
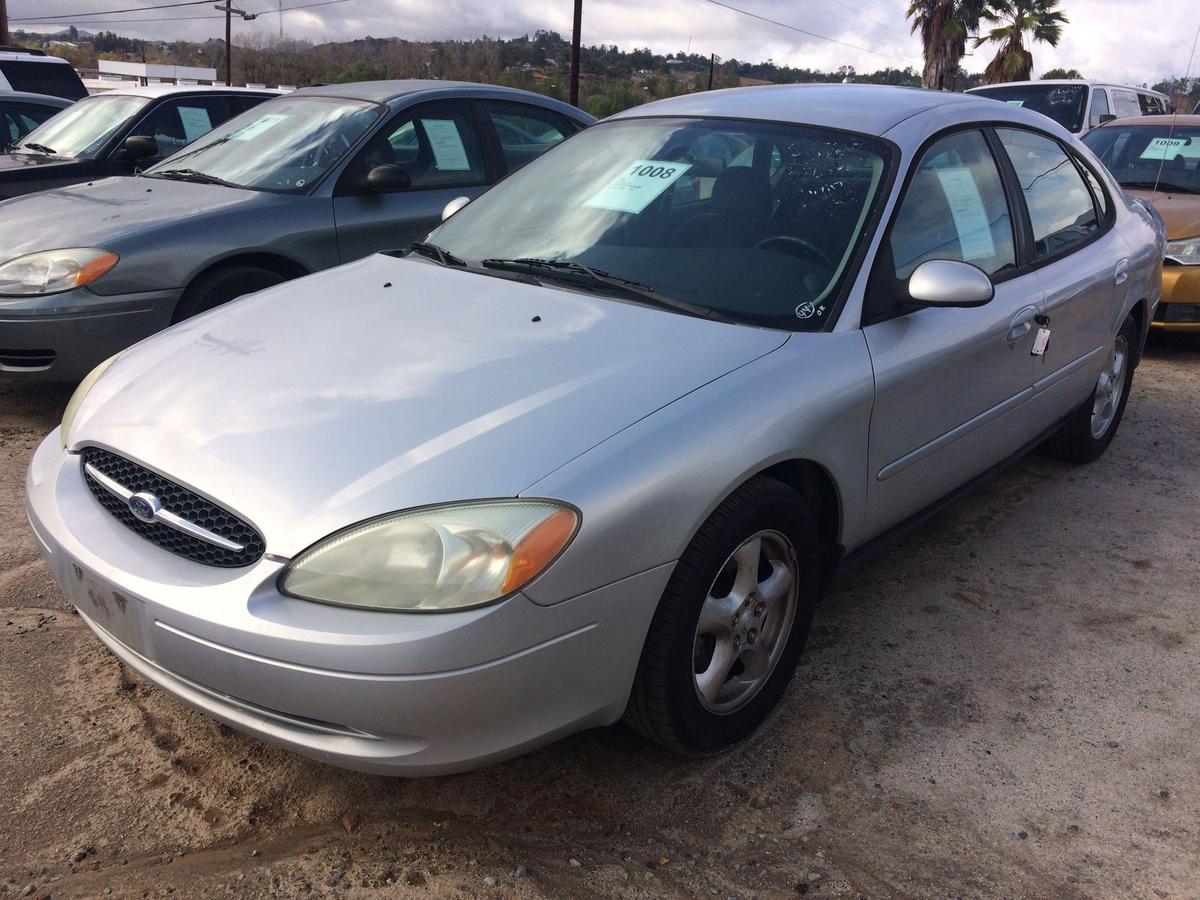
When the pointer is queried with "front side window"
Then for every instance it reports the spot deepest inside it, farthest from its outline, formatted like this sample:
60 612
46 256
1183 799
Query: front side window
1064 103
82 130
436 144
1150 156
283 145
1061 209
769 241
1100 107
177 122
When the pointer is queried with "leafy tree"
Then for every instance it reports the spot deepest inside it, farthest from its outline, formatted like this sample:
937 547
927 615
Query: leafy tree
1015 20
944 26
1062 73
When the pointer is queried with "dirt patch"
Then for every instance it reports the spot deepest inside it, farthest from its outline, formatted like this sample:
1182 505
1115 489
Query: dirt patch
1005 704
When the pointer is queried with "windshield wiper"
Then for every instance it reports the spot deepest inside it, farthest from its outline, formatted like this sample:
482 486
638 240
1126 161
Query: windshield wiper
575 272
40 148
189 175
437 254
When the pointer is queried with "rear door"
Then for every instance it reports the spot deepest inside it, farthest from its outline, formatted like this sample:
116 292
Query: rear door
1078 258
441 148
951 384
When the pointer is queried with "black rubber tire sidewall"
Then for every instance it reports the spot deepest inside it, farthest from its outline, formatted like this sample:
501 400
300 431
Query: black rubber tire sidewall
217 288
664 705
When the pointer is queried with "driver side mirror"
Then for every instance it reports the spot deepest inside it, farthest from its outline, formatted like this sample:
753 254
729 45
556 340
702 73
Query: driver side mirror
139 146
454 206
1105 118
387 178
946 282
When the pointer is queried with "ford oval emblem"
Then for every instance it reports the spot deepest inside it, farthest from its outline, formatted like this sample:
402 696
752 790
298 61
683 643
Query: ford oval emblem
144 506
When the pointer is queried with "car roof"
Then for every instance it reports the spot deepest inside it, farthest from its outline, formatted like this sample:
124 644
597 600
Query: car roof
386 91
1190 121
165 90
1079 81
32 56
864 108
43 99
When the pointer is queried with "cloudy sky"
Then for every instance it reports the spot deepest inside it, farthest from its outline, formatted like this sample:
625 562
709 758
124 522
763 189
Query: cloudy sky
1119 40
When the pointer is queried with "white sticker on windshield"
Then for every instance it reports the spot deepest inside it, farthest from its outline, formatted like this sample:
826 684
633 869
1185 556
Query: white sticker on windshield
257 127
1166 148
970 217
1015 102
196 122
634 189
448 150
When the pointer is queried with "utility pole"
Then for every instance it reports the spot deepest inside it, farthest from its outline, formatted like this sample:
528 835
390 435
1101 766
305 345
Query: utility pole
4 38
575 53
712 64
229 11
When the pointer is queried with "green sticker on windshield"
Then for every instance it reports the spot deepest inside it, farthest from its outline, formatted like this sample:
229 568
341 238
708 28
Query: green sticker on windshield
637 186
1168 148
1015 102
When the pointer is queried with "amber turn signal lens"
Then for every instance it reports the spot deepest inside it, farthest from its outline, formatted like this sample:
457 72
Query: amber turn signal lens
94 268
538 549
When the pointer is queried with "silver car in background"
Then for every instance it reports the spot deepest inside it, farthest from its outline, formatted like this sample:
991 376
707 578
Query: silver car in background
596 451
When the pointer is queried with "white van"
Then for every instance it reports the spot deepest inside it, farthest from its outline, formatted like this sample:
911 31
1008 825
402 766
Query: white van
33 72
1079 106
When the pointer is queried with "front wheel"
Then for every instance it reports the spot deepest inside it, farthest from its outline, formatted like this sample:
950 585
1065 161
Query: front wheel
1093 425
218 287
732 622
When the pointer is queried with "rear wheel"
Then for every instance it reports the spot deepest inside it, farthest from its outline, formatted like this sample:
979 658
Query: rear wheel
1093 425
732 622
212 289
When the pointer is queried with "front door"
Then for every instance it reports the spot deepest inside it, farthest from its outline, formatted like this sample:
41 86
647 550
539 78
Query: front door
952 385
440 148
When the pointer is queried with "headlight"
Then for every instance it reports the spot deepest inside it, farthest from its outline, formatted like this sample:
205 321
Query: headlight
52 271
435 559
80 392
1185 252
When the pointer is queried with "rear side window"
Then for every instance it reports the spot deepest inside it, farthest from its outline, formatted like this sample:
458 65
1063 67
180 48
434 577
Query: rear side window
56 79
525 132
239 103
1151 105
1060 204
1126 103
177 122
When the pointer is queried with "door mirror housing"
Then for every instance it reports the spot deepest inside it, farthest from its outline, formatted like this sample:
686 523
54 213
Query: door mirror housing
454 206
387 178
139 146
946 282
1105 118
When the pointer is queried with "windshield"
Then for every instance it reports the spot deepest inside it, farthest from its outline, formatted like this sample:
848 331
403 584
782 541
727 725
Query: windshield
283 145
83 130
1064 103
1146 155
755 222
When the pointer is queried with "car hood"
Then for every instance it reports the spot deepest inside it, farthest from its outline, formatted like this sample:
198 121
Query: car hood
1180 212
389 384
18 164
105 213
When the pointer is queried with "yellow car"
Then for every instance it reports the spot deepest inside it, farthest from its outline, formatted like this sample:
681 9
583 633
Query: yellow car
1157 158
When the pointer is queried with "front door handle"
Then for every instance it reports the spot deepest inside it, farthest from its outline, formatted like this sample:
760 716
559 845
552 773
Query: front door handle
1022 324
1121 272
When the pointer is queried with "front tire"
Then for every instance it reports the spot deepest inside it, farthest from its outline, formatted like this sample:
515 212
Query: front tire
215 288
1085 436
732 623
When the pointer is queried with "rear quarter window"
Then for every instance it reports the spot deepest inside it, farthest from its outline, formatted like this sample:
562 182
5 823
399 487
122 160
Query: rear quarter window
53 78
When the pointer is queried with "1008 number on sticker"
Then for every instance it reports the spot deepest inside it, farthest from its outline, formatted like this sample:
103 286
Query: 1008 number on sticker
638 185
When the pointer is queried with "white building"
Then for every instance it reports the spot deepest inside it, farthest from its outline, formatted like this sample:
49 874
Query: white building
153 73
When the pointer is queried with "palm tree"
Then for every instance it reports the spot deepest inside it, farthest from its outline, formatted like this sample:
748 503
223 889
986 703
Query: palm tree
944 26
1015 19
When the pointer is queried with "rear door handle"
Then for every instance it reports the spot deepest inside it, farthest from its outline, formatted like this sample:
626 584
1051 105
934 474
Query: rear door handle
1022 324
1121 272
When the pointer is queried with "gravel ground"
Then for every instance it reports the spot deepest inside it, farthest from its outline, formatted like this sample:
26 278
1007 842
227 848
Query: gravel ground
1004 704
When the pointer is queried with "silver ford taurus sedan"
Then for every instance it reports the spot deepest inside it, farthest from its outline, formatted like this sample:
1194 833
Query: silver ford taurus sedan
597 447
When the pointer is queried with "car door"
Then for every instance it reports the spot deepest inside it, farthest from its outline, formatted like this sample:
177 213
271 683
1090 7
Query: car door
439 146
951 383
1079 259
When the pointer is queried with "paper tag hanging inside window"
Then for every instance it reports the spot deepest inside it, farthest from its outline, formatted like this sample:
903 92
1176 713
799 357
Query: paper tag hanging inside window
1041 342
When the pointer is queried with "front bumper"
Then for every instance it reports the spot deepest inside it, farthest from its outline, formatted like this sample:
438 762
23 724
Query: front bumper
1179 309
61 337
377 692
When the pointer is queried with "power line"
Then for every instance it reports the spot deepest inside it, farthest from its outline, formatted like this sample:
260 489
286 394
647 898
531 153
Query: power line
105 12
187 18
805 31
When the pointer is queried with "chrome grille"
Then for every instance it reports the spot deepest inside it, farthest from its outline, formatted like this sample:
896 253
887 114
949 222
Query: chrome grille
175 499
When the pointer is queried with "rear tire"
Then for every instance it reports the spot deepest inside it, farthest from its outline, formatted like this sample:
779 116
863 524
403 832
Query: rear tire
1085 436
730 627
212 289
